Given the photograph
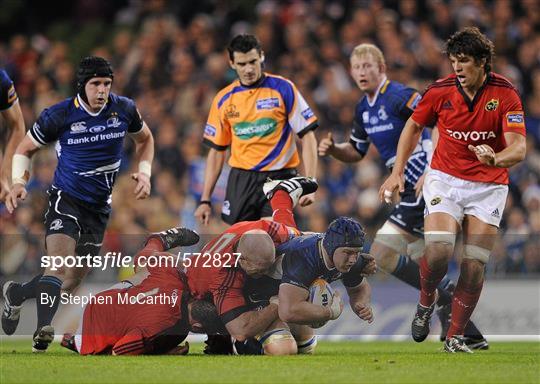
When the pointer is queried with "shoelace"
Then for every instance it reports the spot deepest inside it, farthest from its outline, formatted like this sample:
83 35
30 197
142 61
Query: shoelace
458 344
421 320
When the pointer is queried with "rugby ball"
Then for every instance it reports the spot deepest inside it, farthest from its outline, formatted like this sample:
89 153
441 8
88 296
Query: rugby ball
320 293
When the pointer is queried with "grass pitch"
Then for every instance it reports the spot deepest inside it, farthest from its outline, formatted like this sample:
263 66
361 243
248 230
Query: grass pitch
334 362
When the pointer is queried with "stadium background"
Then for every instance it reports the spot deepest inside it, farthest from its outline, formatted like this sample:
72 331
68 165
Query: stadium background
170 57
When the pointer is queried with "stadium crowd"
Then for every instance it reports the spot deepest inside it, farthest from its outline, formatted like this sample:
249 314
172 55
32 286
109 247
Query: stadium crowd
171 60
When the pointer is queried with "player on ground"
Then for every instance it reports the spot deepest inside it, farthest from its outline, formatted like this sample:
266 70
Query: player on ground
89 131
482 133
11 111
334 255
248 249
379 119
257 116
150 313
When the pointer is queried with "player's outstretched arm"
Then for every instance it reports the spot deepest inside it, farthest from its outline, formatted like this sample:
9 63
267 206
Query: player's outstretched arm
214 165
294 307
251 323
341 151
407 142
15 122
20 172
360 300
144 152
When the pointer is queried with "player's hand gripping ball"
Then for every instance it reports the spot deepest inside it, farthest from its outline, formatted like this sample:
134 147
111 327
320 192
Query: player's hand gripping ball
321 293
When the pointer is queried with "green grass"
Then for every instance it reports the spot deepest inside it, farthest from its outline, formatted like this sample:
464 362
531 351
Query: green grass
343 362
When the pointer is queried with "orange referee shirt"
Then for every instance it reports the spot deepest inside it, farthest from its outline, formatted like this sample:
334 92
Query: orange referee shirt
258 123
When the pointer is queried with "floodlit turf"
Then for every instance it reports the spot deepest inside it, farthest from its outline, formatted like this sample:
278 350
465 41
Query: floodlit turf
340 362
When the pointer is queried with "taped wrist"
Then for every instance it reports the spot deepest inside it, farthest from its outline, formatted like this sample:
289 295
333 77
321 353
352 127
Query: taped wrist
145 167
20 169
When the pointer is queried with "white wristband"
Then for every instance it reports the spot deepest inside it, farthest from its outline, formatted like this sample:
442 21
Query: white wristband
20 169
145 167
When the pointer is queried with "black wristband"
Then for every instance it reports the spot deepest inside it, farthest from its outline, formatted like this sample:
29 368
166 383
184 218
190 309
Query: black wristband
207 202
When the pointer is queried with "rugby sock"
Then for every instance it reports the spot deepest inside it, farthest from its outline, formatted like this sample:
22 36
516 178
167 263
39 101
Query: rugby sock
48 289
465 299
20 292
153 245
282 207
429 280
408 271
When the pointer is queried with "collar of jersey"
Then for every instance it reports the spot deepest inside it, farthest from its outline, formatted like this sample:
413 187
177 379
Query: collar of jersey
83 106
321 253
372 103
255 84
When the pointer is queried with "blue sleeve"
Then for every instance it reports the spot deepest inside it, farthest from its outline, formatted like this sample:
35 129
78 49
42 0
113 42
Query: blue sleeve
354 276
8 95
135 122
405 101
48 125
359 137
298 270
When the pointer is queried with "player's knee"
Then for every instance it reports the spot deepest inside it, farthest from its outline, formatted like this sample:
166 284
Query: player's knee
439 244
278 342
416 249
388 245
307 347
476 253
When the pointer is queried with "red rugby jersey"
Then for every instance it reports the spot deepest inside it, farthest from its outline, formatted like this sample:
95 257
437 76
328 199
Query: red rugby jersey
495 109
140 326
221 280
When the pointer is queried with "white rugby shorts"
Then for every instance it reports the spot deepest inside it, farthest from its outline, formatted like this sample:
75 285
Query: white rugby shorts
457 197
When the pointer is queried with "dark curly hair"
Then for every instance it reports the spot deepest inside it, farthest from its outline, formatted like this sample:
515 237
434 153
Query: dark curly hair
471 42
244 44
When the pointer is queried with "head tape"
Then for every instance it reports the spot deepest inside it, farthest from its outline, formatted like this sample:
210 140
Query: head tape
343 232
90 67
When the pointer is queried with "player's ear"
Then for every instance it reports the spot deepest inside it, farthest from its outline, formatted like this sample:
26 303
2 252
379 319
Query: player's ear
262 57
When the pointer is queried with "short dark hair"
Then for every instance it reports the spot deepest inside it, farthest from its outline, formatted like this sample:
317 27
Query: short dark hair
204 312
243 43
471 42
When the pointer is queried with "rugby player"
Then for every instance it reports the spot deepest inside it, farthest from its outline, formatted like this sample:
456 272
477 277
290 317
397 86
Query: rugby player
247 249
89 131
130 318
481 123
379 119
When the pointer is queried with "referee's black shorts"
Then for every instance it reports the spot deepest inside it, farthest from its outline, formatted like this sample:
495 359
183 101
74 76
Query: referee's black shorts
244 199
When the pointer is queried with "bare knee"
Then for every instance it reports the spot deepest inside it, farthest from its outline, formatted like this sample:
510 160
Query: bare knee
279 343
385 257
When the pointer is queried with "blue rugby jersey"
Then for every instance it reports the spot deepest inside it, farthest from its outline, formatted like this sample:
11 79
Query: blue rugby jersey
303 263
88 145
8 95
381 123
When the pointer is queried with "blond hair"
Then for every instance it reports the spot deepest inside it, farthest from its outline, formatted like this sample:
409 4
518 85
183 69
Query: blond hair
369 49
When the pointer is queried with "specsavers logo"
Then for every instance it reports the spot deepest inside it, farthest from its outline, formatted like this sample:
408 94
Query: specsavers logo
258 128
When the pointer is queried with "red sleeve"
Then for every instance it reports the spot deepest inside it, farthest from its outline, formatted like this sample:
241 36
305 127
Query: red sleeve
513 115
227 291
131 344
425 113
